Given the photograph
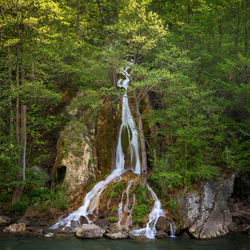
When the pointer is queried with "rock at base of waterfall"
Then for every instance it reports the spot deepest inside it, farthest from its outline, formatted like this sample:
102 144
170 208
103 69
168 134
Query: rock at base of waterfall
15 228
133 236
102 223
162 224
89 231
205 213
64 235
118 235
49 235
4 220
161 235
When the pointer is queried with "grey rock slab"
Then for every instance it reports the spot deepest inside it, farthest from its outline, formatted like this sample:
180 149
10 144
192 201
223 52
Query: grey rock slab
118 235
89 231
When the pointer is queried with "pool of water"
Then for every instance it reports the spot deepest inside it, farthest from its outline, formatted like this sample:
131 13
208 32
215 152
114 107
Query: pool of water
232 242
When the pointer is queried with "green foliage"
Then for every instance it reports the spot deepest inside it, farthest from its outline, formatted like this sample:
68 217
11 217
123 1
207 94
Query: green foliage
43 198
190 62
18 209
142 205
140 210
117 189
114 209
112 219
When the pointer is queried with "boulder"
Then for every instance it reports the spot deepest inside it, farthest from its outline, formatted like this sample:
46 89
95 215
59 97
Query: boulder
118 235
4 220
89 231
24 220
161 235
163 224
49 235
205 213
102 223
15 228
133 236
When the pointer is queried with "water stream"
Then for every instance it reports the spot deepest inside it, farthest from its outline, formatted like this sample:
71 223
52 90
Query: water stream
90 204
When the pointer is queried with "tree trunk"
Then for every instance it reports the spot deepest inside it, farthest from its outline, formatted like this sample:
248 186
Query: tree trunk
77 16
10 99
100 10
18 118
143 175
23 139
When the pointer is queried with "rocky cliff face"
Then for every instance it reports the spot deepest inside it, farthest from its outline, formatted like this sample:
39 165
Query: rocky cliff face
85 148
205 213
76 159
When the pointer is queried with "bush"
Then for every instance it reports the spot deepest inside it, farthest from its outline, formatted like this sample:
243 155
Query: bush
111 219
19 208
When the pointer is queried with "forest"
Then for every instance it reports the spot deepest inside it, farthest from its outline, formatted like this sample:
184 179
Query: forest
189 86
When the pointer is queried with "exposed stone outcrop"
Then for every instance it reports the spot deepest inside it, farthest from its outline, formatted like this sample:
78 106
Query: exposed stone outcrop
205 213
76 162
89 231
241 215
118 235
161 234
163 224
15 228
4 220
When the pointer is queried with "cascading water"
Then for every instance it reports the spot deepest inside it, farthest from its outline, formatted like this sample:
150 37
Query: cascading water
150 231
91 200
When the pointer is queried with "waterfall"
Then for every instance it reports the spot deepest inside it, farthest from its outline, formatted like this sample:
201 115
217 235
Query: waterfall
172 230
128 125
91 200
150 231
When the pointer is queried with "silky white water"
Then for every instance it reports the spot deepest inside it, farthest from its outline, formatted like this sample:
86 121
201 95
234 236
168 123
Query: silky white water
150 231
91 200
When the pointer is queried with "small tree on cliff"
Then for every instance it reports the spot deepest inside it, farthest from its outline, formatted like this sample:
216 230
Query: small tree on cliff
141 29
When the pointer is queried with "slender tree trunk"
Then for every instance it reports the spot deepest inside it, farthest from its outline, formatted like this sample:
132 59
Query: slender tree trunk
236 41
19 187
10 99
18 117
246 38
100 11
77 16
143 175
23 139
115 12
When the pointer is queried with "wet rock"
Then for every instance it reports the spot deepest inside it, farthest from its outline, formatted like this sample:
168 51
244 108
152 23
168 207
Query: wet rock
15 228
118 235
74 224
113 228
89 231
185 235
161 235
132 236
24 220
241 215
162 224
4 220
64 235
205 213
49 235
102 223
35 231
83 220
